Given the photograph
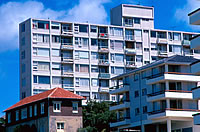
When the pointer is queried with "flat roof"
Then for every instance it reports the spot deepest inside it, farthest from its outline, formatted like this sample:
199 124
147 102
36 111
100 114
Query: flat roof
194 12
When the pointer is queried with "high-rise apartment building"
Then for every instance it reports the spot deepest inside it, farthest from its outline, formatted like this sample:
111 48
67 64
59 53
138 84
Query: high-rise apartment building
158 97
82 57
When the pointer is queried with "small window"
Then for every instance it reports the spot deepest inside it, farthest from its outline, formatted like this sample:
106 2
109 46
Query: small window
24 113
137 111
146 49
55 25
136 77
23 55
60 125
9 117
136 94
56 106
137 20
35 110
30 111
144 109
146 62
144 92
23 27
17 115
74 107
93 29
153 34
42 108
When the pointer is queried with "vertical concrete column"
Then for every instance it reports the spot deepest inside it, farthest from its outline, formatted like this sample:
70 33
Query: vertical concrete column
167 85
169 129
166 68
168 103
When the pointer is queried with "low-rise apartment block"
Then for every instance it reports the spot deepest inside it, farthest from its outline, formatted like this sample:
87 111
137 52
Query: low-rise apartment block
55 110
157 97
82 57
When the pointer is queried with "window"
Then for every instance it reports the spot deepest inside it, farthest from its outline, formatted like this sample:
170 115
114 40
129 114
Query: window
41 79
138 46
9 117
17 115
40 24
42 108
175 49
55 39
82 82
41 52
56 66
143 75
161 34
81 55
93 29
56 80
94 68
136 94
60 126
41 66
23 55
137 20
23 41
139 58
30 111
82 68
144 109
137 111
146 49
94 82
117 70
136 77
153 34
24 113
41 38
23 27
177 36
23 82
153 58
94 42
83 28
55 25
116 45
144 91
35 110
56 106
23 68
154 46
74 107
116 31
138 33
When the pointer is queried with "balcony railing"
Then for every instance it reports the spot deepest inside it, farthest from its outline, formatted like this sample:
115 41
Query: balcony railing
120 102
163 91
120 86
103 48
67 59
130 37
103 35
103 62
130 63
121 119
130 51
172 109
67 46
104 75
162 53
68 73
162 41
155 75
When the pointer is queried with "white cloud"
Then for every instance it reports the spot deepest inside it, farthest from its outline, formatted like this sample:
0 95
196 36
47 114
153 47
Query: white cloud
181 14
12 13
92 11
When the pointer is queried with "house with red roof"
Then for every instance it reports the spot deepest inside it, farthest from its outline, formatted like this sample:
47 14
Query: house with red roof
56 110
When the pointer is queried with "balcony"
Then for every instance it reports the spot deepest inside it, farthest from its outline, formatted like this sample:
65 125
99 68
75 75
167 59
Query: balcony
162 41
172 112
103 49
130 64
195 42
173 94
186 43
104 89
104 75
67 74
121 122
196 118
120 105
69 87
120 89
67 46
104 62
173 76
67 60
103 35
194 17
130 51
129 38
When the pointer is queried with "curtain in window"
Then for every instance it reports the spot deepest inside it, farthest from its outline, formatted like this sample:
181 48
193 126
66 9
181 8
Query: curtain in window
55 52
40 38
177 36
43 52
138 33
84 82
85 42
46 38
84 68
119 57
43 66
83 55
118 45
56 80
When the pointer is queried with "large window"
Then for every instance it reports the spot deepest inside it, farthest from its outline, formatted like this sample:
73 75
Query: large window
56 106
116 31
40 24
117 70
175 49
55 39
17 115
82 68
74 107
41 52
82 82
116 45
56 52
24 113
41 38
83 28
41 79
41 66
56 80
81 55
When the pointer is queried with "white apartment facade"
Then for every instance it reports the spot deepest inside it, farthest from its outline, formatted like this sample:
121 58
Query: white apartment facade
82 57
157 97
194 19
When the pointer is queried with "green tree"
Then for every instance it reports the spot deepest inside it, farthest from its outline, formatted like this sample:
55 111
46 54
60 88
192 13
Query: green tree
2 124
97 117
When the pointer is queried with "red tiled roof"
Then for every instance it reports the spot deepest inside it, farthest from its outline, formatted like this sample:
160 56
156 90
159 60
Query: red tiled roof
53 93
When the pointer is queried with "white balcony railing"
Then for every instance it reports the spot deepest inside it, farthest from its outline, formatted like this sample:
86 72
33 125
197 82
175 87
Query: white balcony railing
130 37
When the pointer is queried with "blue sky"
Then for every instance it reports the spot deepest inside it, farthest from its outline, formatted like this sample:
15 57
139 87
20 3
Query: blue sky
169 14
